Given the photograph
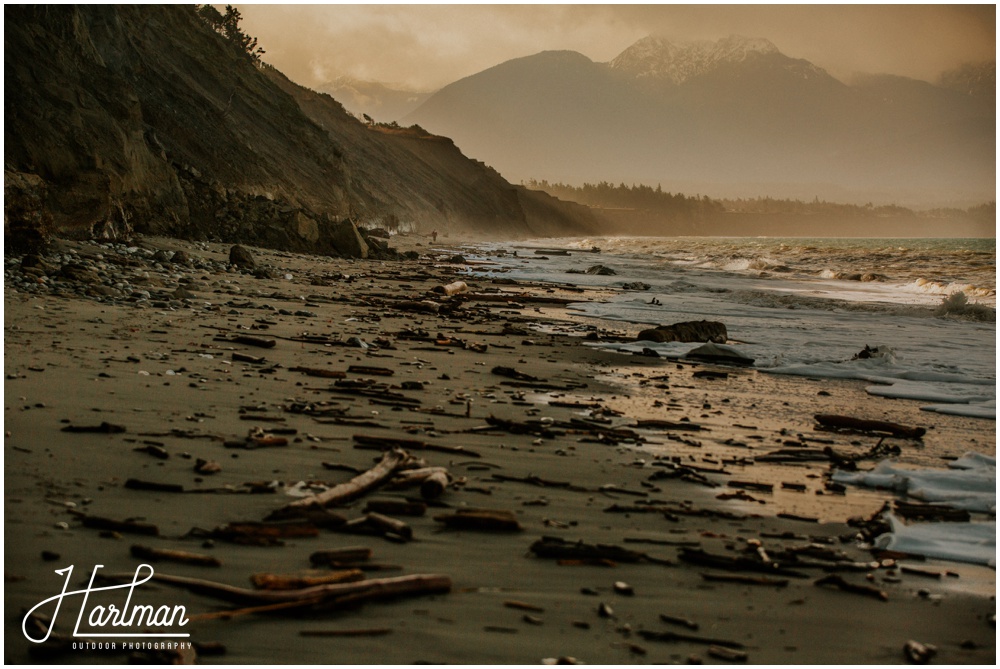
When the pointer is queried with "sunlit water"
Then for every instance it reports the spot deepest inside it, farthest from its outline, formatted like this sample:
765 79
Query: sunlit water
804 306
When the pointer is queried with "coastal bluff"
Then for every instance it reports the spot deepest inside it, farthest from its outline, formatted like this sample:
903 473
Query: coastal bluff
123 119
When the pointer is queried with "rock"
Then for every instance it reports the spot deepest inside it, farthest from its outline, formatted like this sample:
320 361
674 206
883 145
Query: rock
411 255
457 259
161 256
180 258
636 285
688 331
183 294
80 273
378 232
720 353
601 270
346 239
241 257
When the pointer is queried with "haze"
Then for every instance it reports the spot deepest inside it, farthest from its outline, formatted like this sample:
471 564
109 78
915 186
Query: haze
424 47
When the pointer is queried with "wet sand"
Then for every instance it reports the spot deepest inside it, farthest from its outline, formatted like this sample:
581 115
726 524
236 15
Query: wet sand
166 375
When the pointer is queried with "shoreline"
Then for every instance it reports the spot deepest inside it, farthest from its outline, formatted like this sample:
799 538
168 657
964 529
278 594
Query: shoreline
84 361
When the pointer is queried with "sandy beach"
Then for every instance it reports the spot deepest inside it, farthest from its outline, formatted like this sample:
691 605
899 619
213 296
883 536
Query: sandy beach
219 390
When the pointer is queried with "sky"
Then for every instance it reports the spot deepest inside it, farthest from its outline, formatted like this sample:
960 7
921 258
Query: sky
424 47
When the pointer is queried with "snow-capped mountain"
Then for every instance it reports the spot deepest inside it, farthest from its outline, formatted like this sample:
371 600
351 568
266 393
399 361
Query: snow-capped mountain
656 58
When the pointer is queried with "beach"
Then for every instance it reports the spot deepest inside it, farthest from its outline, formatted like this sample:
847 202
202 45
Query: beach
165 403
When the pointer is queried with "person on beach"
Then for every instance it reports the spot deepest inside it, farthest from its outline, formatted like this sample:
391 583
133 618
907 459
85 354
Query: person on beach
434 235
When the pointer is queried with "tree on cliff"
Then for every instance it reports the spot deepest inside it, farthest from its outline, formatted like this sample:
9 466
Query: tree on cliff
228 25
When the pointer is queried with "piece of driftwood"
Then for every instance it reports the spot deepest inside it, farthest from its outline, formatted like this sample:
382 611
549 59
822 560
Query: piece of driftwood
432 481
371 371
745 580
728 654
677 620
127 526
394 507
839 582
654 424
481 519
332 594
370 631
523 606
268 581
183 557
864 425
345 492
253 533
243 357
252 341
321 373
341 555
650 635
136 484
703 558
103 428
382 443
560 549
385 525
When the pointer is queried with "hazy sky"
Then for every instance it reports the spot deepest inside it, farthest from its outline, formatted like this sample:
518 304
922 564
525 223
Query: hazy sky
428 46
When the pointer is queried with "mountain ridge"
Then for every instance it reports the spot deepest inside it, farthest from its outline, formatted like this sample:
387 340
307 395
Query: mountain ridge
721 115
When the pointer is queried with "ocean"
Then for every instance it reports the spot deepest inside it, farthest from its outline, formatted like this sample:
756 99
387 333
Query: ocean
808 307
800 306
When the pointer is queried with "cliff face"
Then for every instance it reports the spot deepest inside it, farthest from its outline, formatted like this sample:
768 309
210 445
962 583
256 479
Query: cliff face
141 117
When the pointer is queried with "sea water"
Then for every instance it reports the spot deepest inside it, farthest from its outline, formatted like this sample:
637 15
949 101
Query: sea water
805 307
808 307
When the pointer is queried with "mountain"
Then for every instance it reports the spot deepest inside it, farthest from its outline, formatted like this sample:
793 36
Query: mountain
734 117
124 117
975 79
380 101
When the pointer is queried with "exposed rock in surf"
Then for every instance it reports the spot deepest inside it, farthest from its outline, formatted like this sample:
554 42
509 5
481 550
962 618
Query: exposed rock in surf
720 354
601 270
688 331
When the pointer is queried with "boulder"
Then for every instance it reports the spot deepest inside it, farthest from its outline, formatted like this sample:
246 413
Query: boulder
346 239
719 354
180 258
241 257
688 331
601 270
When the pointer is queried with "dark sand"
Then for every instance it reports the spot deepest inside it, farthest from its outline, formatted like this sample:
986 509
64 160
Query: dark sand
67 359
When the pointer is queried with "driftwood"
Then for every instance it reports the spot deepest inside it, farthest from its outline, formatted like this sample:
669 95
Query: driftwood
267 581
728 654
345 492
559 549
373 371
331 594
382 443
373 631
252 341
376 523
654 424
263 534
183 557
650 635
745 580
340 555
103 428
705 559
128 526
676 620
322 373
394 507
481 519
847 422
432 481
839 582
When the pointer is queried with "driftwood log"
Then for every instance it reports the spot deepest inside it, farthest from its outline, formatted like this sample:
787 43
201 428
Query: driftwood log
832 421
328 594
345 492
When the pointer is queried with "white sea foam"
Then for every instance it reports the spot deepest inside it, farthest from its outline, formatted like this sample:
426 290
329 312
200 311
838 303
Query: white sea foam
960 542
969 483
